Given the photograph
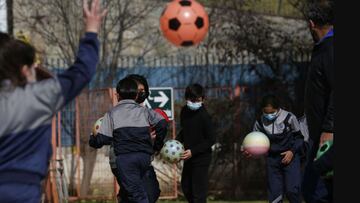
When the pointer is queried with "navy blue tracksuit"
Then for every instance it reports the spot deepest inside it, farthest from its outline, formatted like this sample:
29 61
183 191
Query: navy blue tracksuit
126 126
284 134
152 186
25 117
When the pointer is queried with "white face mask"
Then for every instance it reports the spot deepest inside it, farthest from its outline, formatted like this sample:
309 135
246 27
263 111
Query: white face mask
194 105
270 116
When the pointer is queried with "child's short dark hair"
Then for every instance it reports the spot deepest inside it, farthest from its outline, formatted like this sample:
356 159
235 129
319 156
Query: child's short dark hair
270 100
194 92
142 80
127 88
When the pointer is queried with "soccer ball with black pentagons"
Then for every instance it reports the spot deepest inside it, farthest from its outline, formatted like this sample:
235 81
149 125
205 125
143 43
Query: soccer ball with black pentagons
184 22
172 151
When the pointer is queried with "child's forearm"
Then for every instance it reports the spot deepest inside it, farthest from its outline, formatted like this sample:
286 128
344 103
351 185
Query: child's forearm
203 147
161 131
75 78
99 140
209 139
299 140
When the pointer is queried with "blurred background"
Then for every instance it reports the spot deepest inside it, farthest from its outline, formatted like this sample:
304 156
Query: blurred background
254 47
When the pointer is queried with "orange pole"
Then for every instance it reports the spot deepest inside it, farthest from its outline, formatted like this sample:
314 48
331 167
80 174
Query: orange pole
59 154
174 169
114 102
59 135
48 188
77 123
53 161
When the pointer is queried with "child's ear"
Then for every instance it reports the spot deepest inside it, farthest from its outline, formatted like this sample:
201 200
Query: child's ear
25 71
311 24
29 73
118 96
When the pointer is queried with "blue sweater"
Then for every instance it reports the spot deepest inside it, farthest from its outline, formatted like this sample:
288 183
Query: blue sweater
26 114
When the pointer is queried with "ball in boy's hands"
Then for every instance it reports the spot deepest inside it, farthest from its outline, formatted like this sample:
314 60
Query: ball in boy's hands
256 143
172 151
96 126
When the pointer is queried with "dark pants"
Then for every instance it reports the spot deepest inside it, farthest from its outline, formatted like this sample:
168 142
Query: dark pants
116 174
19 193
325 165
131 169
151 184
284 179
315 189
194 180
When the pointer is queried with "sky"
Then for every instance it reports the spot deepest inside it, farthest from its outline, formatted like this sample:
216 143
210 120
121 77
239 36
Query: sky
3 24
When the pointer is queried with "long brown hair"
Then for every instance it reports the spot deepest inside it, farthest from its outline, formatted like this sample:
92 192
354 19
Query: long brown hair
14 54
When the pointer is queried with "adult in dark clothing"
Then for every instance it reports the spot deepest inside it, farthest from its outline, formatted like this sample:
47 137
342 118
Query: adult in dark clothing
197 135
325 163
319 99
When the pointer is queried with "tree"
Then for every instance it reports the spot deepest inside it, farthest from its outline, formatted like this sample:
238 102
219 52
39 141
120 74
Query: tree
59 25
10 16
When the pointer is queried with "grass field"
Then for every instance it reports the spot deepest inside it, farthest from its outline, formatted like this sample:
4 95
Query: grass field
215 201
181 201
178 201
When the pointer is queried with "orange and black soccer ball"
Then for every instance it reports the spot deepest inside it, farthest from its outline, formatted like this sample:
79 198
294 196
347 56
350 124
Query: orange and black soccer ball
184 22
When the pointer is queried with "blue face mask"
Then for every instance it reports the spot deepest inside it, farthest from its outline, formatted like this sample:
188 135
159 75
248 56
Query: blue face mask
270 116
194 105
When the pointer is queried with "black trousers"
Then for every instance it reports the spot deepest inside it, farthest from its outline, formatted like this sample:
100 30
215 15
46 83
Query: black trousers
151 184
315 189
194 180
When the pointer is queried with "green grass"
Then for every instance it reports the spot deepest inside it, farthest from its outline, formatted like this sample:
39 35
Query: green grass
210 201
177 201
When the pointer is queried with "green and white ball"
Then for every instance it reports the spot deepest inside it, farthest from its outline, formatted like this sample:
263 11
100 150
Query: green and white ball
172 151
